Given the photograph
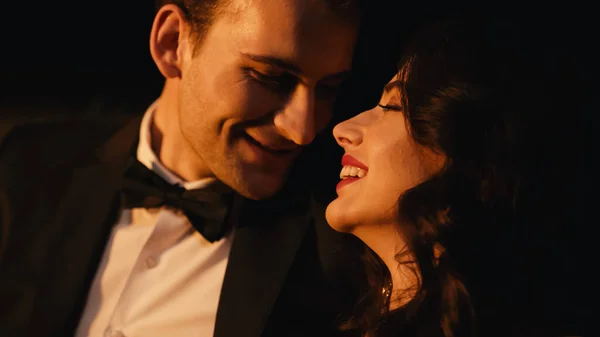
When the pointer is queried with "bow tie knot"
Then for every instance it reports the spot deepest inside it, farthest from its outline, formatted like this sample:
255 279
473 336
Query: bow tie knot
172 199
206 208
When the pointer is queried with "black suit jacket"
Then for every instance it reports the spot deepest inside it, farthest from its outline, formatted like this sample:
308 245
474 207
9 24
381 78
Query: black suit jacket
59 200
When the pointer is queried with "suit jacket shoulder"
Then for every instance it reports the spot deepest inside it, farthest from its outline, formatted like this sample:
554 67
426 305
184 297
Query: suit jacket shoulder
58 183
33 147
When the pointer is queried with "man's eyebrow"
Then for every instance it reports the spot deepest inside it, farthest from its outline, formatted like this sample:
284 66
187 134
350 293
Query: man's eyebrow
275 62
397 84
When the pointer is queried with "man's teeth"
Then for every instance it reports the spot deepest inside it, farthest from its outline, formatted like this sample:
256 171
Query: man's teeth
352 171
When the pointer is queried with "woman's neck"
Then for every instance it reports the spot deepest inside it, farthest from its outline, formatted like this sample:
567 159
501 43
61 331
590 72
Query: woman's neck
390 246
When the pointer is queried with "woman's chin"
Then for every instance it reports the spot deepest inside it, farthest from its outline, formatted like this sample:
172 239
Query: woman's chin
338 218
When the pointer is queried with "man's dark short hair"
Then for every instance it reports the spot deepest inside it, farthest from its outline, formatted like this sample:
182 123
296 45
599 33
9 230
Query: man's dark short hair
202 13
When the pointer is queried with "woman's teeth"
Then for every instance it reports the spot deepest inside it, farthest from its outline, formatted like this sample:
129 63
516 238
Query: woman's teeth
352 172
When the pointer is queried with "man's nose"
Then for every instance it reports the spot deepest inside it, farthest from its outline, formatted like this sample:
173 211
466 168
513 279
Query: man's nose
297 119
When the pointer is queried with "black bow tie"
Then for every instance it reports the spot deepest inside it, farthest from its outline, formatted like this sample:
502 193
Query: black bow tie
206 208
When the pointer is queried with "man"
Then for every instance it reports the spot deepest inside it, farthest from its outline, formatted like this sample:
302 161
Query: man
85 252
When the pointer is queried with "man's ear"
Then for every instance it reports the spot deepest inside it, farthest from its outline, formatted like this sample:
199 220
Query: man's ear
168 40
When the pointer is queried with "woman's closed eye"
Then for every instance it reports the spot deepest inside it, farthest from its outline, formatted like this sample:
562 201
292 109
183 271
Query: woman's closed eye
388 107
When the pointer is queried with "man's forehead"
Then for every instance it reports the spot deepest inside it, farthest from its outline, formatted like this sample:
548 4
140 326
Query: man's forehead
286 34
299 12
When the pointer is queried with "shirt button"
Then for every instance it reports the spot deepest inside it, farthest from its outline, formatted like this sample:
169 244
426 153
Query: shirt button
151 262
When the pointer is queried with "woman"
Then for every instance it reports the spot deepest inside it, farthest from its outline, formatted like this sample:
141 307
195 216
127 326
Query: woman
429 183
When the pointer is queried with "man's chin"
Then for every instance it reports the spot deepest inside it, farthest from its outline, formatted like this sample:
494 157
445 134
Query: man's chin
257 193
259 188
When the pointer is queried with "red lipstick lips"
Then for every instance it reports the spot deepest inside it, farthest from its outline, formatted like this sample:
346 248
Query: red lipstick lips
351 161
348 160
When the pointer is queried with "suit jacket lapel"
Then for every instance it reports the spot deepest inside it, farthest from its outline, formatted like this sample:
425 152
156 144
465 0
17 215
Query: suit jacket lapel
84 220
263 250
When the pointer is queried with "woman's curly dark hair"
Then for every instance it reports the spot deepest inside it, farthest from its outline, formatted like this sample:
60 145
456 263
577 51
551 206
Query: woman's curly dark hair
465 94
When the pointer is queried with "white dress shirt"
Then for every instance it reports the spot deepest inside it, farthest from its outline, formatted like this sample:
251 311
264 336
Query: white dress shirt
158 276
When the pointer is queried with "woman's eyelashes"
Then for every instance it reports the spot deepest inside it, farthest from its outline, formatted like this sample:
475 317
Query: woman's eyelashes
390 107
